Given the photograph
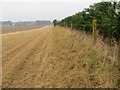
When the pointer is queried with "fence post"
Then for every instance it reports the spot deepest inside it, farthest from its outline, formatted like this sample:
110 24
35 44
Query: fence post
71 25
94 30
64 24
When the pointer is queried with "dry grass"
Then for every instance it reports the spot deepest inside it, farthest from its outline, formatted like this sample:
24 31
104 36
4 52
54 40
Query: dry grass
106 64
57 57
8 29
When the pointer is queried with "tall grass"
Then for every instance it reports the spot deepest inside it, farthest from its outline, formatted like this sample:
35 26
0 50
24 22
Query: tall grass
105 71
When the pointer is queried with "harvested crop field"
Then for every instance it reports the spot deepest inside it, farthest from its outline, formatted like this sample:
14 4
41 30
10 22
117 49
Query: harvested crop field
8 29
56 57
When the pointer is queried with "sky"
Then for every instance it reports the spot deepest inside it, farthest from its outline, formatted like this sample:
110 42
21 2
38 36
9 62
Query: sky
31 10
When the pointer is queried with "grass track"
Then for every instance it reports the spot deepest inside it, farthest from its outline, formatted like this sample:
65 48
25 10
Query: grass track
54 57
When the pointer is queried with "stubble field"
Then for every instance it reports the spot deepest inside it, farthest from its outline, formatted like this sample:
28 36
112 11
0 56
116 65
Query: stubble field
56 57
8 29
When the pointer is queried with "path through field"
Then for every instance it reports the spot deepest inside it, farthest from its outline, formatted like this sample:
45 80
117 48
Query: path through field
46 57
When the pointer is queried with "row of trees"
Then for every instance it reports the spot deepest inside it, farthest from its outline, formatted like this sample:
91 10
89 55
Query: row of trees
107 15
6 23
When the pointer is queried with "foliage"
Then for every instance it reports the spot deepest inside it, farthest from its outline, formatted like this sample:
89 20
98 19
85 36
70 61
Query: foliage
107 15
6 23
55 22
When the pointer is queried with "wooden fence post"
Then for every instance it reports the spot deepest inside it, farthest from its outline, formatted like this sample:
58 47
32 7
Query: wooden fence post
71 25
64 24
94 30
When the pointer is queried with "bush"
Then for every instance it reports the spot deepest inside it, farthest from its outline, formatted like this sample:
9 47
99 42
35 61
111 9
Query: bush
107 15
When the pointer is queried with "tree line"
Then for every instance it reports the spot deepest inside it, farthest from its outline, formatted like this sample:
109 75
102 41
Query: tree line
107 15
26 23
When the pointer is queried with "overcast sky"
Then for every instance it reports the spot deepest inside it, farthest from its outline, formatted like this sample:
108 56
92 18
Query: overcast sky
27 10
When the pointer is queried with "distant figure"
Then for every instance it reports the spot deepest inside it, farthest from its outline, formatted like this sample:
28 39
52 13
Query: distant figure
55 22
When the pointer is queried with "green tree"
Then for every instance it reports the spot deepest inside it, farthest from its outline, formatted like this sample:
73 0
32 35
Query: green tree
107 15
55 22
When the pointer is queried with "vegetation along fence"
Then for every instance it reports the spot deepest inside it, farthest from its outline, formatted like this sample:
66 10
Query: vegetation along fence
107 15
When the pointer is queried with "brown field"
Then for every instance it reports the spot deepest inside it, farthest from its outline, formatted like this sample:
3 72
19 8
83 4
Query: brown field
8 29
55 57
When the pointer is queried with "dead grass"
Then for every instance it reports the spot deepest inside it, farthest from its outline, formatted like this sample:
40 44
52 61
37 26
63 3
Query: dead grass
102 60
58 58
8 29
75 61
